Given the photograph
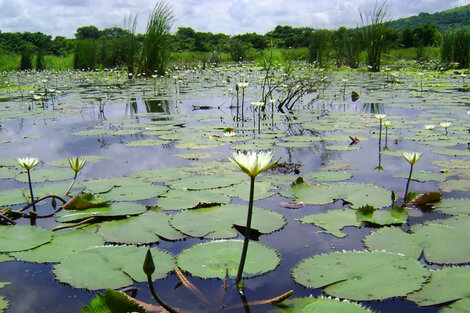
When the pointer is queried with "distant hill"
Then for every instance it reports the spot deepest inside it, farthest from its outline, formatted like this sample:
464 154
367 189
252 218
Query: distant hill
445 20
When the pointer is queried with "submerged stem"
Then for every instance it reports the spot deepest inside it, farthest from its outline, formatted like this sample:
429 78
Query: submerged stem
247 234
157 298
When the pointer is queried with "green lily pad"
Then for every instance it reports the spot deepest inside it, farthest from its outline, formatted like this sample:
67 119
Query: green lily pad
453 206
319 305
356 194
452 152
112 267
422 176
88 158
85 201
135 192
113 210
5 258
328 176
216 258
217 221
440 243
445 285
393 216
61 246
112 302
146 143
143 229
361 275
188 199
3 302
161 174
46 174
455 184
263 190
205 182
8 172
22 237
11 197
342 148
460 306
332 221
452 163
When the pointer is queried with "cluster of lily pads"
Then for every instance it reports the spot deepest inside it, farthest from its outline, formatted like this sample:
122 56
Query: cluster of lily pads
108 221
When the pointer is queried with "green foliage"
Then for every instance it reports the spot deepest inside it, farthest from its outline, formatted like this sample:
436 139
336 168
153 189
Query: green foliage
87 32
456 47
112 302
320 44
361 275
85 55
319 305
26 62
156 47
22 237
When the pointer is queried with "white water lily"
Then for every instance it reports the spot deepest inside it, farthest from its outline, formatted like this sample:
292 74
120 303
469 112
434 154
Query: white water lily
445 124
380 116
387 124
412 157
27 163
257 104
429 127
243 85
76 163
253 163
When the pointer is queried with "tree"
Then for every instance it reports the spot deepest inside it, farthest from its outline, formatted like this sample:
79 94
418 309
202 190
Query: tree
87 32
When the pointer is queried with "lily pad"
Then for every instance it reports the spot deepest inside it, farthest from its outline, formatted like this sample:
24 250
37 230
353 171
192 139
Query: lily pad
188 199
5 258
113 267
3 302
217 221
263 190
61 246
319 305
88 158
135 192
393 216
113 210
205 182
22 237
332 221
445 285
362 275
143 229
112 302
440 243
423 176
146 143
453 206
85 201
215 259
46 174
325 176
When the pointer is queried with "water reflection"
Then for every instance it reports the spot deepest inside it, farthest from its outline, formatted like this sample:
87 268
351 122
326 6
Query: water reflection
157 106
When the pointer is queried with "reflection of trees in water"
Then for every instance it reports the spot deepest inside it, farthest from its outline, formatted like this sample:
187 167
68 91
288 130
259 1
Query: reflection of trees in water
157 106
132 107
374 108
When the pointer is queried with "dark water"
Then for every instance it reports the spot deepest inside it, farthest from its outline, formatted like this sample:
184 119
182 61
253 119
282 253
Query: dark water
33 288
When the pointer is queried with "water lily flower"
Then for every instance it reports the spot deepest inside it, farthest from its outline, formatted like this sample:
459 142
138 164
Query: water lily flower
412 157
76 163
257 104
242 85
445 125
27 163
253 163
429 127
387 124
380 116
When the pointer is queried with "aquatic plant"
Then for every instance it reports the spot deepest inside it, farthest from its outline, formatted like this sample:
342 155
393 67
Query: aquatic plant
156 46
387 125
251 164
445 125
412 158
76 164
28 164
381 118
374 34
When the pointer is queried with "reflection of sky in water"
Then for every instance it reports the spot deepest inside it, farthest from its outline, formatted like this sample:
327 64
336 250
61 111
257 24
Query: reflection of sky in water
33 287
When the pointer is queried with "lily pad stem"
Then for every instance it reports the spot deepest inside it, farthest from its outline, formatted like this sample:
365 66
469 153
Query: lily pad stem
247 235
407 185
41 199
157 298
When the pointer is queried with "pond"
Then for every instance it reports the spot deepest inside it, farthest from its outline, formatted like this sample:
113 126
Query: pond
329 214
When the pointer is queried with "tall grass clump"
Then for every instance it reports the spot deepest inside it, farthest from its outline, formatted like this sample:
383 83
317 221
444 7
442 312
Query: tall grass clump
157 43
85 55
456 48
131 44
26 62
40 64
319 46
374 35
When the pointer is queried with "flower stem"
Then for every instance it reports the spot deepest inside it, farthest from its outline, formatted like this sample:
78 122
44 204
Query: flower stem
71 184
380 136
157 298
407 185
31 190
247 233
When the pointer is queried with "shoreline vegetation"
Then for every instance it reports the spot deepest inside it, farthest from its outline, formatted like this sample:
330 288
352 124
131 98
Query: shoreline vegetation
424 43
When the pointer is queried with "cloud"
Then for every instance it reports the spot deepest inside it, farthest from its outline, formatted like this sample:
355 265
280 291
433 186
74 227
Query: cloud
63 17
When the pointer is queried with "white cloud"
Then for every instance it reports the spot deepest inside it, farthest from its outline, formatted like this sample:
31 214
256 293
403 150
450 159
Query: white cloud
63 17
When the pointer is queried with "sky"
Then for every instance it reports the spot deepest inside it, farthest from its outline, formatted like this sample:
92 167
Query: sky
63 17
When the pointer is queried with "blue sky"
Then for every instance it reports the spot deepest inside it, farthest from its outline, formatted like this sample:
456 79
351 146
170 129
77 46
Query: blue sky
63 17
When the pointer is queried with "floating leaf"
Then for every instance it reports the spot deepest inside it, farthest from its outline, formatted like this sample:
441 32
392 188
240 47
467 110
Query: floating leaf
114 209
188 199
22 237
445 285
455 184
441 243
332 221
319 305
135 192
423 176
426 199
394 215
146 143
85 201
217 221
328 176
263 190
112 267
112 302
453 206
3 302
61 246
205 182
5 258
88 158
362 275
216 258
46 174
162 174
143 229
